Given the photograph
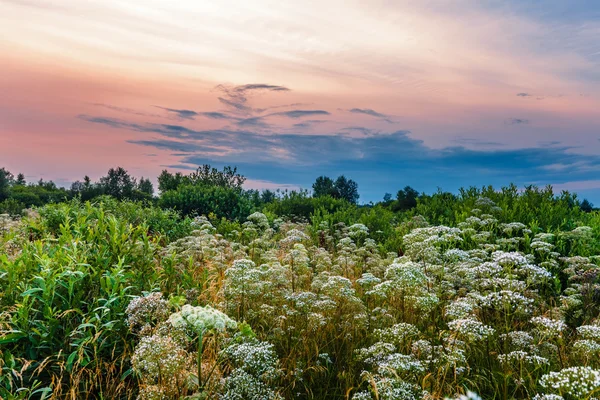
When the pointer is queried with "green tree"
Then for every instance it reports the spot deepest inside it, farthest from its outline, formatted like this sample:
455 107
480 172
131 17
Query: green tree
586 206
145 186
346 189
118 183
207 175
168 181
324 186
6 180
21 180
406 199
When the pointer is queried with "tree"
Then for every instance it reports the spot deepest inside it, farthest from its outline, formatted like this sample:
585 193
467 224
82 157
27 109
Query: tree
118 183
268 196
406 199
21 180
168 181
207 175
77 187
387 198
324 186
586 206
346 189
6 180
145 186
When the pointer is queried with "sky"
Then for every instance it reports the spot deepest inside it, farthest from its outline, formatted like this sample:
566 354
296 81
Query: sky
431 94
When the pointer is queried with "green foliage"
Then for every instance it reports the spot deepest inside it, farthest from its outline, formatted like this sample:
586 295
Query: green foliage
118 183
6 180
205 175
300 205
223 202
341 188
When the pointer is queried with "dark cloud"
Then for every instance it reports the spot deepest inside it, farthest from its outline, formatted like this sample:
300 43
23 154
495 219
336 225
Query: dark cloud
168 130
260 86
359 129
524 95
372 113
517 121
301 113
367 111
256 122
238 106
387 160
216 115
180 114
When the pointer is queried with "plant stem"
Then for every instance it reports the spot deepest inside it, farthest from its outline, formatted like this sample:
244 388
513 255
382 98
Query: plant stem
200 339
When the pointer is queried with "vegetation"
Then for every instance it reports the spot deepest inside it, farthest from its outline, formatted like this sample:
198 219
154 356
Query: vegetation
214 292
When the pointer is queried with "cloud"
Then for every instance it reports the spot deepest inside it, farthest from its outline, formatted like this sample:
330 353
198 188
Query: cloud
476 142
294 158
367 111
260 86
524 95
256 122
215 115
359 129
301 113
125 110
517 121
372 113
173 145
236 97
577 185
181 114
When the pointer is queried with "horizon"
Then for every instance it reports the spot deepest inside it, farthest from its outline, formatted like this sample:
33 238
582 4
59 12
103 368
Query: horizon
423 94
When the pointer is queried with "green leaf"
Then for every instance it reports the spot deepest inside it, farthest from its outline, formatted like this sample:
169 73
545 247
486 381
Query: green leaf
12 337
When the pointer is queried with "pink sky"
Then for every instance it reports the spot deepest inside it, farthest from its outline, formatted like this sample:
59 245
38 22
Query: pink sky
447 71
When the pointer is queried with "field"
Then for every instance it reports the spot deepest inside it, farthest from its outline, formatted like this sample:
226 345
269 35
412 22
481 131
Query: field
495 295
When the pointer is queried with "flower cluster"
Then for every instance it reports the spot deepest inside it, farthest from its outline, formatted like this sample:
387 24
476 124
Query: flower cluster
579 382
201 319
147 311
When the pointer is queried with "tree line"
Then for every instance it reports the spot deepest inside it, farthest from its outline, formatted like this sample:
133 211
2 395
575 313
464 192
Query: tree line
221 193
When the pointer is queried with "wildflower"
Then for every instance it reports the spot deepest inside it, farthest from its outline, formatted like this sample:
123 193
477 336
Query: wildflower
579 382
145 311
471 329
159 358
201 319
549 327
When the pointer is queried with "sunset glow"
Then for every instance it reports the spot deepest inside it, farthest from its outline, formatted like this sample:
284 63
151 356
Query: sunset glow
391 93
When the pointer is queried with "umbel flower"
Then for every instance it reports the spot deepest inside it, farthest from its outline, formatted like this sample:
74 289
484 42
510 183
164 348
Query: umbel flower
579 382
201 319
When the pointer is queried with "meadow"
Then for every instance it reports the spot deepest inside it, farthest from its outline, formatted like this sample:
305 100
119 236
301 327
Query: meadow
490 293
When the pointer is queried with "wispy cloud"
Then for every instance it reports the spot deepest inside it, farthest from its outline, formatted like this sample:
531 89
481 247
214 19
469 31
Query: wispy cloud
516 121
180 114
301 113
236 97
370 112
125 110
